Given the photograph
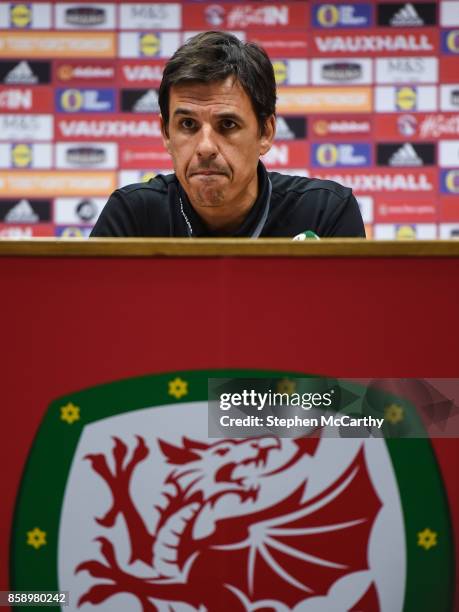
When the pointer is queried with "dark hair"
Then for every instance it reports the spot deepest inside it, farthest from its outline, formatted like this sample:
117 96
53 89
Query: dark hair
213 56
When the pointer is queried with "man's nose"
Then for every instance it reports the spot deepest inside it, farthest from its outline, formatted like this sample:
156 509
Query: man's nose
207 146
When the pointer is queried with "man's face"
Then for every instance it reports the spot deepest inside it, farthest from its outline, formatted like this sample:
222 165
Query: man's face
214 139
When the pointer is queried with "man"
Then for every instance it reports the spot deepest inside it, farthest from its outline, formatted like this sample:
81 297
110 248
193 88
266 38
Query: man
218 101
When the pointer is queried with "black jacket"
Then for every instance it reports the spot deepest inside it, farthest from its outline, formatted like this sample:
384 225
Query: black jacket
161 208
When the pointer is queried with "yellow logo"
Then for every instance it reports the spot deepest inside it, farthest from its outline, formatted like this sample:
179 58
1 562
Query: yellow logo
452 41
147 176
406 98
405 232
21 155
427 538
285 385
327 155
149 45
36 538
72 232
21 15
280 72
72 100
328 15
70 413
452 181
393 414
178 387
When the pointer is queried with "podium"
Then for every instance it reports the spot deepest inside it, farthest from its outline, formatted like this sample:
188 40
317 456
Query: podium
107 346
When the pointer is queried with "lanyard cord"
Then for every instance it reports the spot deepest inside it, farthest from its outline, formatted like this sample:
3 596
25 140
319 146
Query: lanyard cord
187 221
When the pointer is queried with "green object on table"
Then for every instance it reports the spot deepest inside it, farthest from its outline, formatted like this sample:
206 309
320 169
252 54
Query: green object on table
307 235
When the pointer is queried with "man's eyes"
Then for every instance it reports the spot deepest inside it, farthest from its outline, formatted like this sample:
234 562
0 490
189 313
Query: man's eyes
225 124
188 124
228 124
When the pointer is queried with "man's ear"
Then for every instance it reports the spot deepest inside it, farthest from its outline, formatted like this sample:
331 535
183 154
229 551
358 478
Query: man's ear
267 137
164 132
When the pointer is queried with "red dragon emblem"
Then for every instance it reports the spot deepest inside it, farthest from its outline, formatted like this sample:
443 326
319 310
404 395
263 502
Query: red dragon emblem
221 539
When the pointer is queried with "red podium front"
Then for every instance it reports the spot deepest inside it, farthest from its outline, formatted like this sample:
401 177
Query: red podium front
107 347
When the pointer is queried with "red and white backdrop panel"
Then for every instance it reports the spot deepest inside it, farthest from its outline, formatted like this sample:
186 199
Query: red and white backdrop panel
368 95
105 419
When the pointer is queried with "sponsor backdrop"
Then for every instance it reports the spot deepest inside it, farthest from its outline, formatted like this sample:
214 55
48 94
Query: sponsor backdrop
368 96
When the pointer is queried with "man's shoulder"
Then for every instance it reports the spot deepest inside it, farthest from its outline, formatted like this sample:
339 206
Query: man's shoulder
138 209
325 207
285 183
158 184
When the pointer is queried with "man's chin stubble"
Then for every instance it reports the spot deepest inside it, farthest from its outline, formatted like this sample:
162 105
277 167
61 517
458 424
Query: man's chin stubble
213 201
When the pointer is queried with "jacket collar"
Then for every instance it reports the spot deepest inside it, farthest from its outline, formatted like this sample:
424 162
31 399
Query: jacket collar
252 224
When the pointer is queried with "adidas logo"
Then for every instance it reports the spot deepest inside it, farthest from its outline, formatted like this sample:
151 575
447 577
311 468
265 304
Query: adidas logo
148 103
405 156
21 74
283 132
407 16
22 212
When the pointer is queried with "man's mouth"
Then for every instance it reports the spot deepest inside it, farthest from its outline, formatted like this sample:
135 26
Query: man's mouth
207 173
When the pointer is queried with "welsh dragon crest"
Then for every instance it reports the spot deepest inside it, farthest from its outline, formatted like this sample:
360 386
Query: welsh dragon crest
219 541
